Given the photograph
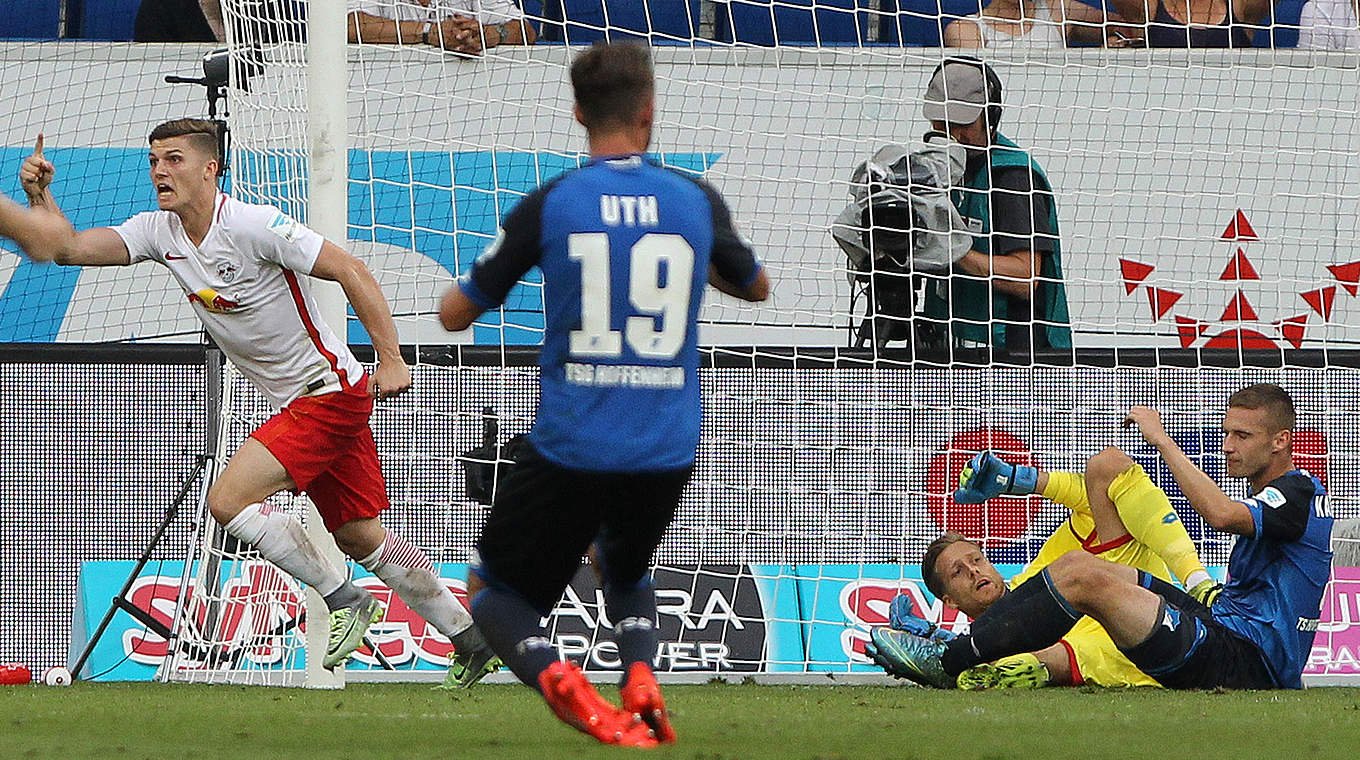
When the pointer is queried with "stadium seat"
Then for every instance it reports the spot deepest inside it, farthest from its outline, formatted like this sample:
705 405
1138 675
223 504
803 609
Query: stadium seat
791 22
1284 26
583 21
101 19
30 20
921 22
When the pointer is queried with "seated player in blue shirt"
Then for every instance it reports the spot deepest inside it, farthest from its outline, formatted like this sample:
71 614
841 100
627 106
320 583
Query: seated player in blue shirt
1258 632
626 248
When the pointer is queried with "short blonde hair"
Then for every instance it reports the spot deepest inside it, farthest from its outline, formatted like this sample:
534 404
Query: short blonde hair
928 573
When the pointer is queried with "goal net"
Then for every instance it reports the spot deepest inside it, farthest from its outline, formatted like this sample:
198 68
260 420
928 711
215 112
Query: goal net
1205 205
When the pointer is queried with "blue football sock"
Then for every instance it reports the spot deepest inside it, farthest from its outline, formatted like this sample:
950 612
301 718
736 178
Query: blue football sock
510 625
632 607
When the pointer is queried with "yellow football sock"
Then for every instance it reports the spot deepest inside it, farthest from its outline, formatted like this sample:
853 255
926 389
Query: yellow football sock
1067 489
1151 520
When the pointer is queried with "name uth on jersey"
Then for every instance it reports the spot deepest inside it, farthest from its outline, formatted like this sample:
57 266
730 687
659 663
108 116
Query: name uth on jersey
629 210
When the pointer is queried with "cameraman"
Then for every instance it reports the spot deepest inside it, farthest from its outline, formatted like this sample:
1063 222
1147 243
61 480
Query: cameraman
1006 293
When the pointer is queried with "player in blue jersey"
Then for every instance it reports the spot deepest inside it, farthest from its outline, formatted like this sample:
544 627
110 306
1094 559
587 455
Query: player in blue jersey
625 247
1255 635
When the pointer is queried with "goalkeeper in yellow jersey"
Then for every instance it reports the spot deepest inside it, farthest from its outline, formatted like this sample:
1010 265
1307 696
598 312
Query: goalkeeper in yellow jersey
1118 514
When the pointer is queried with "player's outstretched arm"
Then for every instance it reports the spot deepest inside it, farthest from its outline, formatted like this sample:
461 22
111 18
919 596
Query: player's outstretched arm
392 375
45 234
38 233
1219 510
758 290
457 311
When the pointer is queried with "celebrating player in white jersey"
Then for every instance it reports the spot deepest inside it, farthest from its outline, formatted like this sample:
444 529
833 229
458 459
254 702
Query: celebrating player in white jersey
239 265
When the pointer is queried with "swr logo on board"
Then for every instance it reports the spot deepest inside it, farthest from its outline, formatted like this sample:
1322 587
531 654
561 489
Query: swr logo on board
259 615
254 617
864 603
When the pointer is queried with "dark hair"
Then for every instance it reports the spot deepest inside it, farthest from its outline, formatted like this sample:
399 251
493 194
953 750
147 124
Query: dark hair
202 134
933 552
993 86
1274 399
611 82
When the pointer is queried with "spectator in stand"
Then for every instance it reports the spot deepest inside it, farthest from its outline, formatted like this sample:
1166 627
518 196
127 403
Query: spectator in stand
212 11
1025 23
460 26
1330 25
1186 23
260 21
174 21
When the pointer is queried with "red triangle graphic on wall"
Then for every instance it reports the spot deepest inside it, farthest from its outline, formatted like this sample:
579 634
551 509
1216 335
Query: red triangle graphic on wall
1292 329
1321 300
1133 273
1239 268
1239 310
1161 301
1239 228
1189 330
1240 338
1347 274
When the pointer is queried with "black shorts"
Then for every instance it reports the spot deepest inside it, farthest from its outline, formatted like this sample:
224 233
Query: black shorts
544 517
1189 649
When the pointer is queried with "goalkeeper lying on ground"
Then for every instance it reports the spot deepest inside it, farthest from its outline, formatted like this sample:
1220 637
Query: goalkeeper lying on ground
1118 514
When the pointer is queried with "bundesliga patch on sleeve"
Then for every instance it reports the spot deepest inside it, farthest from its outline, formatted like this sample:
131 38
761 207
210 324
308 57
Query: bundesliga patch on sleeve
1271 497
285 227
491 250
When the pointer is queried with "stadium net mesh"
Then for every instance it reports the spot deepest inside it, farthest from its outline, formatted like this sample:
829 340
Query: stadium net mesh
1205 201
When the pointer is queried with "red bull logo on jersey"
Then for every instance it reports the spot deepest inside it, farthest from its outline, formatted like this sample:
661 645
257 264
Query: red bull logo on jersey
227 270
213 301
1240 325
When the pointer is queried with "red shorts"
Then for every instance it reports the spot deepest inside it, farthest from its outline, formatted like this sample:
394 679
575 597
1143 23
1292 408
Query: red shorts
326 446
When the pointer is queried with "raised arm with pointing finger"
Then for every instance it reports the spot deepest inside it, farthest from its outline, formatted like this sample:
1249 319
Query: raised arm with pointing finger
100 246
242 268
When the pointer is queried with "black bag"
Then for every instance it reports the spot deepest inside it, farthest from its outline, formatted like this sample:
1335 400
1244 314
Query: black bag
487 465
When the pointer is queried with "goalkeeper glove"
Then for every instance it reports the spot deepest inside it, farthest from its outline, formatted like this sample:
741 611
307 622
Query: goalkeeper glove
901 618
1021 671
1206 592
987 475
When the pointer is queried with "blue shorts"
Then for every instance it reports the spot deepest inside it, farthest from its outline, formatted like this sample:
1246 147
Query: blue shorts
1189 649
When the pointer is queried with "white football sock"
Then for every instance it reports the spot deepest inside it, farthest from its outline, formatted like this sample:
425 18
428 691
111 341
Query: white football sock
283 541
408 571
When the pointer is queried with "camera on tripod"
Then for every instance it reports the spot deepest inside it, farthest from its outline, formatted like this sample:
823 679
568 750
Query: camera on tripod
217 67
902 233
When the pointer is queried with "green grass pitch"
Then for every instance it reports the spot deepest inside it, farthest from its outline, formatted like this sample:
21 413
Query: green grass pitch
715 721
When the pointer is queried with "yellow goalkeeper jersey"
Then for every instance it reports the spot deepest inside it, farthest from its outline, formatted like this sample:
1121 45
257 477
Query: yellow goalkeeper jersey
1091 652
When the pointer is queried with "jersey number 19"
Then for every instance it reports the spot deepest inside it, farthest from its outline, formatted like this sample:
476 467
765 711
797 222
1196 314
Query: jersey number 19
649 297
